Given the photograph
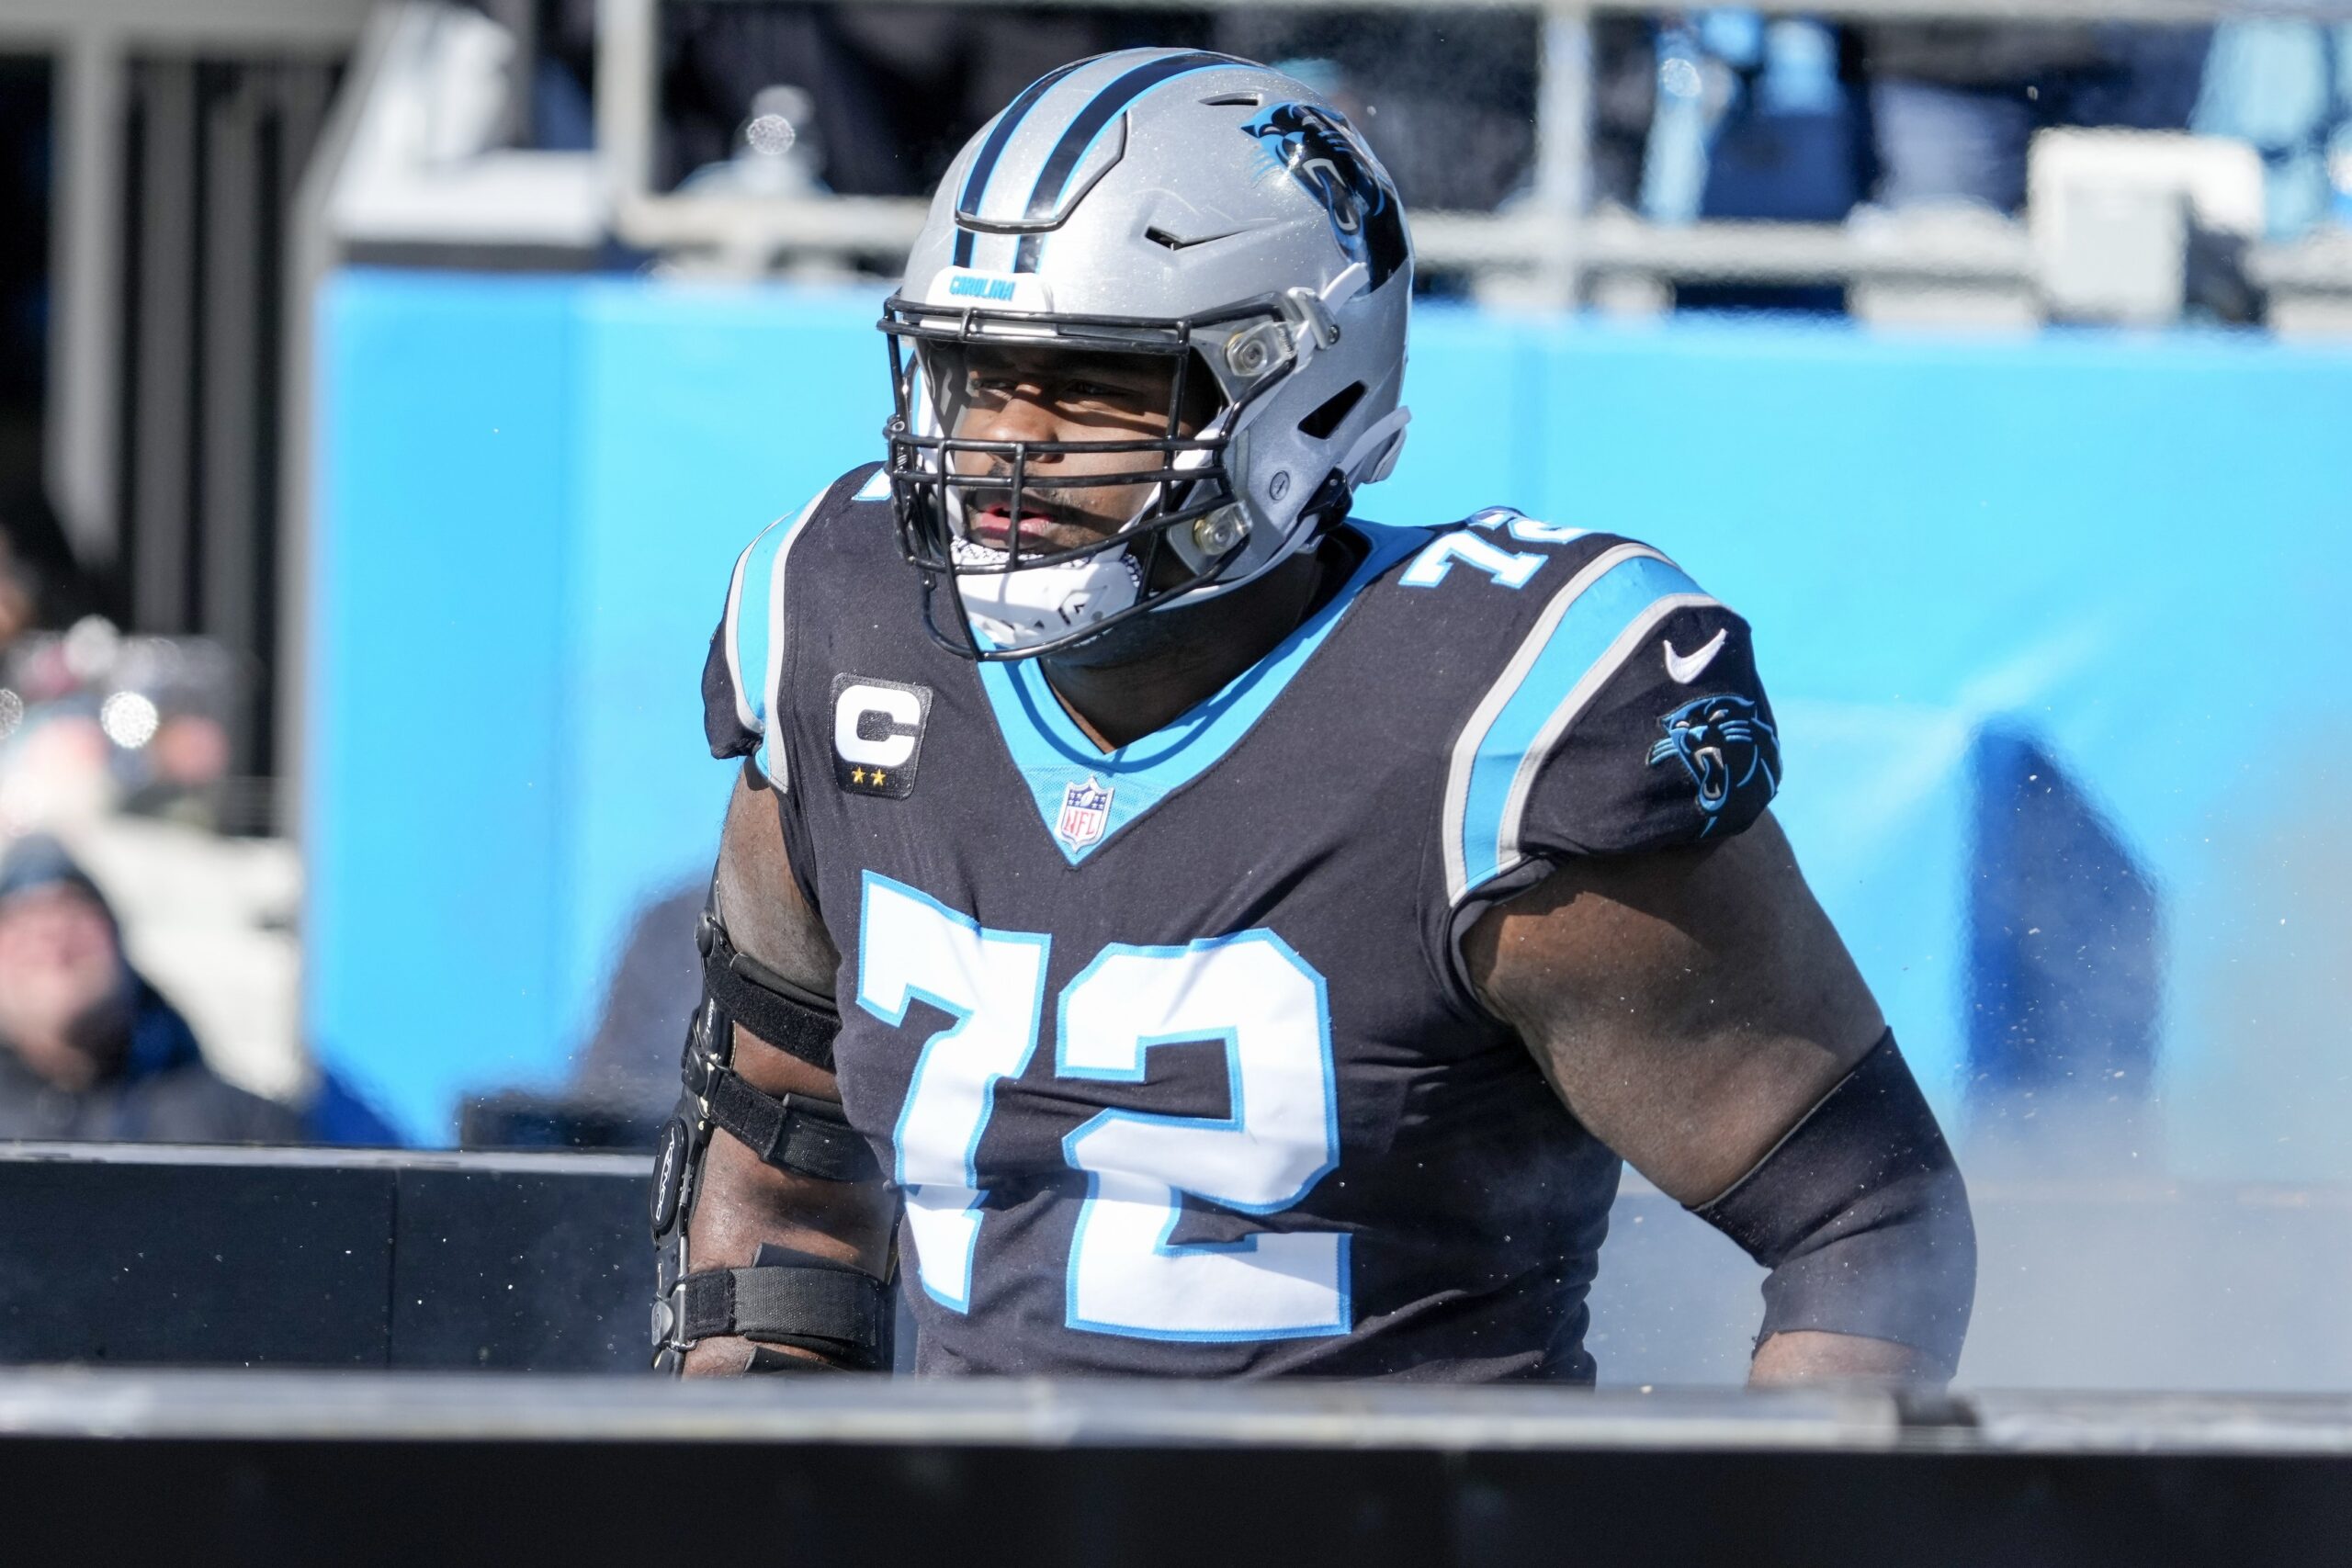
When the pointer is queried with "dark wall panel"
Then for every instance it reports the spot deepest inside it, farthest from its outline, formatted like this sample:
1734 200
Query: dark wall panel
508 1269
844 1506
292 1259
194 1265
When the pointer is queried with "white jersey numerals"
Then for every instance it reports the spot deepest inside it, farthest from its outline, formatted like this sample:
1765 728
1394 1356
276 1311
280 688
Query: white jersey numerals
1250 991
1511 569
992 984
1269 1008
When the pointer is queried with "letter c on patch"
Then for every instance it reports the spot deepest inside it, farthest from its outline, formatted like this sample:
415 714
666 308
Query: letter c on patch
877 726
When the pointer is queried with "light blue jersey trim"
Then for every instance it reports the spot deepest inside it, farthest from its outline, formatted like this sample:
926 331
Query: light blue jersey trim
755 635
1053 753
1584 636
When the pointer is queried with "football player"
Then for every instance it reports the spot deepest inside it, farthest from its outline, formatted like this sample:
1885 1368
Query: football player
1185 929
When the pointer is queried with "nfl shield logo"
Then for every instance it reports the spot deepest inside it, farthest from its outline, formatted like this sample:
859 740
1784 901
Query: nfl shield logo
1086 810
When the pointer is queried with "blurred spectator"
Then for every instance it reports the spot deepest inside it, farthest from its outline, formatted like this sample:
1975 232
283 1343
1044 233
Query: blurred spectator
38 568
15 597
1768 110
1787 147
625 1081
630 1065
88 1049
893 91
1447 99
2286 87
1954 103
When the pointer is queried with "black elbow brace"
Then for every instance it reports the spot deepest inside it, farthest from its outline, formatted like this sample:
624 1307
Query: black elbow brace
1861 1216
786 1297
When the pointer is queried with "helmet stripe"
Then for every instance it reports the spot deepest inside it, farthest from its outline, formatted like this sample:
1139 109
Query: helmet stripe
1105 106
976 181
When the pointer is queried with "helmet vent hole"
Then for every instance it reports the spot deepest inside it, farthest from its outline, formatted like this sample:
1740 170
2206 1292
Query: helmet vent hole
1235 101
1162 237
1336 408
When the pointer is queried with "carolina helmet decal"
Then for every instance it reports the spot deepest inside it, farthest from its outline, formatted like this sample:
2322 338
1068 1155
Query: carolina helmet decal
1324 154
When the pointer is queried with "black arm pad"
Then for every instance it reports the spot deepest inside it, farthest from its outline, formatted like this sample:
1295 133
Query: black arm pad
794 1020
786 1297
1861 1214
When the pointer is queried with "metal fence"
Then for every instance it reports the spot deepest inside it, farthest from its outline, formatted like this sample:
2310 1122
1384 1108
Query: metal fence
1551 247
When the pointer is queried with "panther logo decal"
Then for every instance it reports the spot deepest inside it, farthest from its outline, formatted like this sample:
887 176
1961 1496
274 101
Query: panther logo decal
1723 746
1324 154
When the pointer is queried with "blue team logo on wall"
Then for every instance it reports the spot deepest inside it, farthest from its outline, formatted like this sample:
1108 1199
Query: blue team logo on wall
1324 154
1725 748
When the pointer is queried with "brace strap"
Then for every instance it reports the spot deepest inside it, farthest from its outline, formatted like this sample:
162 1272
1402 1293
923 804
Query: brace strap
791 1131
793 1020
838 1312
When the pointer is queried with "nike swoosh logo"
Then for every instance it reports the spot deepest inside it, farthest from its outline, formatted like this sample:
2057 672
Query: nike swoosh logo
1687 668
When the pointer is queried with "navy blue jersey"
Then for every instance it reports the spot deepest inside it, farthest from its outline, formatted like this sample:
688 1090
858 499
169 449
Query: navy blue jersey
1169 1049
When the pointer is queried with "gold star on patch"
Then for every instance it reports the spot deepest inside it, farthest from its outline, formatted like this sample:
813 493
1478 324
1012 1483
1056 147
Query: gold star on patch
878 779
857 775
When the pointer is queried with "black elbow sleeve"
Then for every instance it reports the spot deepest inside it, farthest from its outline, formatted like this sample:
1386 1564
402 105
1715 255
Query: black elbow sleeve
1861 1216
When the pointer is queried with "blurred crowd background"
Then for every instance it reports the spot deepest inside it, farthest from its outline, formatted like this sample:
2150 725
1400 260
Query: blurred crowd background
386 388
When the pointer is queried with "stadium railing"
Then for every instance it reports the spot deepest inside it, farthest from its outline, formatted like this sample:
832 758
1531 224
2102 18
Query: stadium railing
1549 249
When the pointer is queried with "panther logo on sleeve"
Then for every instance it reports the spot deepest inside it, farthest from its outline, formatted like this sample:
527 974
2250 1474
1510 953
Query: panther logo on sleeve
1725 748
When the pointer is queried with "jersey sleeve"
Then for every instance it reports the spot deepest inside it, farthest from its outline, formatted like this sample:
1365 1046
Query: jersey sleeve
743 671
1629 717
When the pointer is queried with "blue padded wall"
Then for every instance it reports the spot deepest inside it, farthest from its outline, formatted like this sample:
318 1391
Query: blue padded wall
2127 548
436 826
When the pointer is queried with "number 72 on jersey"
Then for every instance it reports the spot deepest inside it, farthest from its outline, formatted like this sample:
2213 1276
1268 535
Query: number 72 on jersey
1250 990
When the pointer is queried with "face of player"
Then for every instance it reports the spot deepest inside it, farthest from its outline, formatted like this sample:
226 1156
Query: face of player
1018 393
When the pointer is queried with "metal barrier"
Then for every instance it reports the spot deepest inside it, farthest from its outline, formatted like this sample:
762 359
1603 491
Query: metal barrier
365 1469
149 1256
282 1260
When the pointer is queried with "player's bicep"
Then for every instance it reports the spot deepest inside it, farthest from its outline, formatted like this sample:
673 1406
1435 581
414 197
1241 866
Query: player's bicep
761 902
768 919
1689 1005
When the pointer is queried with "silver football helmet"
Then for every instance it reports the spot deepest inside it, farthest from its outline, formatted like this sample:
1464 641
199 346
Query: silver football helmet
1196 207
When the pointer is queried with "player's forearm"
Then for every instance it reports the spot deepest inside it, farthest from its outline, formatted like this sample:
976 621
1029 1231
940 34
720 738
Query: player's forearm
1699 1012
746 1203
1862 1217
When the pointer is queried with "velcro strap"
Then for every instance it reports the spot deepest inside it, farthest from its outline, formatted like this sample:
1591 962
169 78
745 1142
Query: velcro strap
763 1001
790 1132
837 1311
